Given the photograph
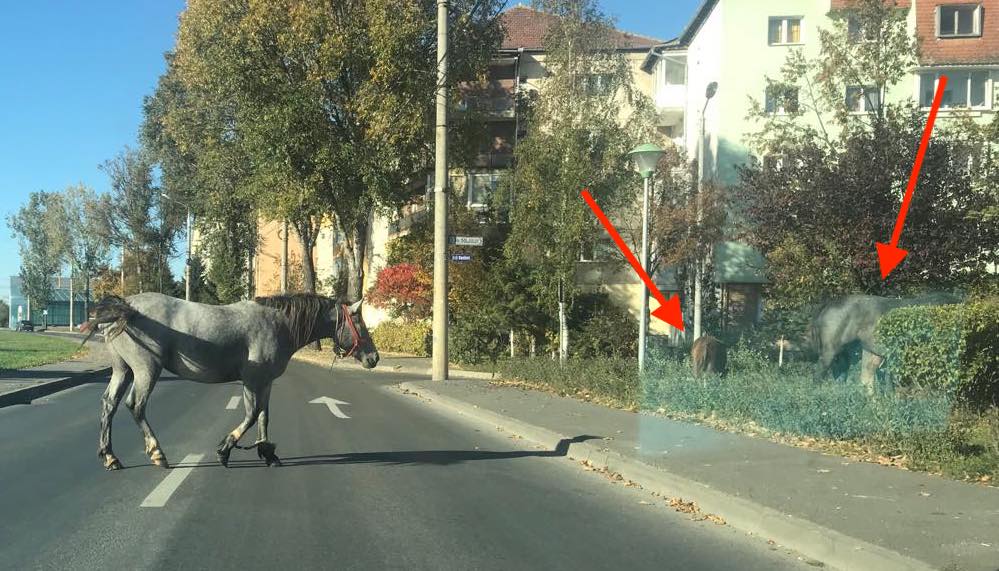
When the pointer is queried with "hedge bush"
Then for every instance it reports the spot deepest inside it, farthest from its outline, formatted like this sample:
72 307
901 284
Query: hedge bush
411 337
610 379
950 348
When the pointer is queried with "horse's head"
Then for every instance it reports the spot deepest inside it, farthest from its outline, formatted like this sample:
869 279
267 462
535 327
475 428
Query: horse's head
351 336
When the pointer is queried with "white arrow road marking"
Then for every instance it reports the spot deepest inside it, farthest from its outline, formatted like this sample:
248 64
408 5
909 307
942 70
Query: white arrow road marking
333 405
161 493
233 403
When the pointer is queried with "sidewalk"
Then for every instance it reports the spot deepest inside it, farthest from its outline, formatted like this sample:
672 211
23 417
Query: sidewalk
23 386
848 515
390 363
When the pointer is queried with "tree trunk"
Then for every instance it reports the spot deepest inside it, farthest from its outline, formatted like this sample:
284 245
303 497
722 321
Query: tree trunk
563 329
122 271
71 299
513 352
309 268
355 286
86 297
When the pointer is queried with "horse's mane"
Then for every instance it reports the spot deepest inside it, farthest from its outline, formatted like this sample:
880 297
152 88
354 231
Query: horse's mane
302 311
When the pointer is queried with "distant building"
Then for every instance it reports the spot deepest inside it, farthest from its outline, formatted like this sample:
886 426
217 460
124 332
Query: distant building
58 307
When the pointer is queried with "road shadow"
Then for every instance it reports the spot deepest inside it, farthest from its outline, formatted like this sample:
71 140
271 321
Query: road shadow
406 457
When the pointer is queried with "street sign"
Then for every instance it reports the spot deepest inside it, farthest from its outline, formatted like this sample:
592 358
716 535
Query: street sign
45 312
461 257
466 240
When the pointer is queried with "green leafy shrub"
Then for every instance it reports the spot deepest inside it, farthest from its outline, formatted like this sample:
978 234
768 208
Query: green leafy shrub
951 348
475 339
786 400
411 337
598 328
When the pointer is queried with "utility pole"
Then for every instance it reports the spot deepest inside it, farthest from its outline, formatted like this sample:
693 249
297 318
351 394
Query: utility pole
187 264
699 262
440 358
284 258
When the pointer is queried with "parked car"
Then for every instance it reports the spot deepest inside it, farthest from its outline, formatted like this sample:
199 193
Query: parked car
25 325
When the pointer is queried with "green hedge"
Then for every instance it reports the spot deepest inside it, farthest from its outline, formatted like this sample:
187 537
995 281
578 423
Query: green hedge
612 379
952 348
411 337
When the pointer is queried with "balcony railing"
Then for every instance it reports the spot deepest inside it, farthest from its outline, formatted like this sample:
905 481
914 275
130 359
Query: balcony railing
494 106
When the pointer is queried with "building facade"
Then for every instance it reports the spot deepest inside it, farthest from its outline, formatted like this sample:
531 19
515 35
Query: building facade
56 313
740 43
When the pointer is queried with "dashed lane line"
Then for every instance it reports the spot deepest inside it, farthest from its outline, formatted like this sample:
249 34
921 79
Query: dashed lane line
161 493
233 403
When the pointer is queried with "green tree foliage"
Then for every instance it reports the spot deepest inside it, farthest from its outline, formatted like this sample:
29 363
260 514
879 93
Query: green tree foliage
139 220
831 182
86 245
4 315
38 226
332 105
577 139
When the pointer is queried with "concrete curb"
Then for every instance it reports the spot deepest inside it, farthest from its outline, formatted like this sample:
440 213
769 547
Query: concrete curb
811 539
28 394
426 372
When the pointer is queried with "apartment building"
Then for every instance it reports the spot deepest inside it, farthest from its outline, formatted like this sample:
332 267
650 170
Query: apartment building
739 43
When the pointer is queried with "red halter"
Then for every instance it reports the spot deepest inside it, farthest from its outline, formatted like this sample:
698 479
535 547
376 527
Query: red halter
354 333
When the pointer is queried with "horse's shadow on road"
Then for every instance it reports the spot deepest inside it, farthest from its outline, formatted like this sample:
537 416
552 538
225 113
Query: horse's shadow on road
410 457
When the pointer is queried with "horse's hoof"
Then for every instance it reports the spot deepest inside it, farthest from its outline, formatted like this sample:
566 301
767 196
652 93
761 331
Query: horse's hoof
112 464
275 462
223 456
161 462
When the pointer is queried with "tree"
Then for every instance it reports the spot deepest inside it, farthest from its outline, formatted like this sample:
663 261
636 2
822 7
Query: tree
86 246
4 314
405 290
37 227
139 220
577 140
332 105
830 184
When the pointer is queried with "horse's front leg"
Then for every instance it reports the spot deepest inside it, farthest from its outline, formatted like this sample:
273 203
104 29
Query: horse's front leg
251 407
265 448
121 376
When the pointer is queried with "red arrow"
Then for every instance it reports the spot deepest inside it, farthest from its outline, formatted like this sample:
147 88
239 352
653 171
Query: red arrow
890 255
668 310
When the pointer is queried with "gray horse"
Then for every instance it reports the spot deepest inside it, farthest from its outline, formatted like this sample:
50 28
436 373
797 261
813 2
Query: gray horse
249 341
850 321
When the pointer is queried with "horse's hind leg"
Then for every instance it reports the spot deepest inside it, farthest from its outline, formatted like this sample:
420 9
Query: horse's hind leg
121 376
146 375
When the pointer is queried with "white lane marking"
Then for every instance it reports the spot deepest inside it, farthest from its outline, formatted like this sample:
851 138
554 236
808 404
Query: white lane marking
161 493
233 403
333 405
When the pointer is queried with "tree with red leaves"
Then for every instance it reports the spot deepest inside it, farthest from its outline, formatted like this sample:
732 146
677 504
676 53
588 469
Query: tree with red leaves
404 290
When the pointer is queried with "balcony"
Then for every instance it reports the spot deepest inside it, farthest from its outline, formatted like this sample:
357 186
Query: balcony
493 106
671 101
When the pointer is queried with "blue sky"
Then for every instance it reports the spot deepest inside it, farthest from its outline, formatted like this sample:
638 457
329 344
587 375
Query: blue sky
74 74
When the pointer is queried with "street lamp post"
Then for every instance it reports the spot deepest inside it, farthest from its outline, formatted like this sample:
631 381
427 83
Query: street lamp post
646 158
698 262
187 265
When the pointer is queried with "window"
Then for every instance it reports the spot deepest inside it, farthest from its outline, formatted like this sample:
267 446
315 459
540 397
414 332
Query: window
785 30
782 99
481 188
965 89
863 99
596 250
960 20
857 32
598 84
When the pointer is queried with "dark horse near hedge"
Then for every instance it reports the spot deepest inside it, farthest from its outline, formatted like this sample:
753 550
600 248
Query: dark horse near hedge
850 321
249 341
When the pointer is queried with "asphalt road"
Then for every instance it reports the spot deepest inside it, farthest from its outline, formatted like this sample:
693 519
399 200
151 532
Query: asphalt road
397 485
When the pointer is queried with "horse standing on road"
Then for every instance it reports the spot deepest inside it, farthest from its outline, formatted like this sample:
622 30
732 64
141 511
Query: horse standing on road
249 341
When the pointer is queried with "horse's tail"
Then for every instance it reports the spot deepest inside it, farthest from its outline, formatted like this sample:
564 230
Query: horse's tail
113 310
